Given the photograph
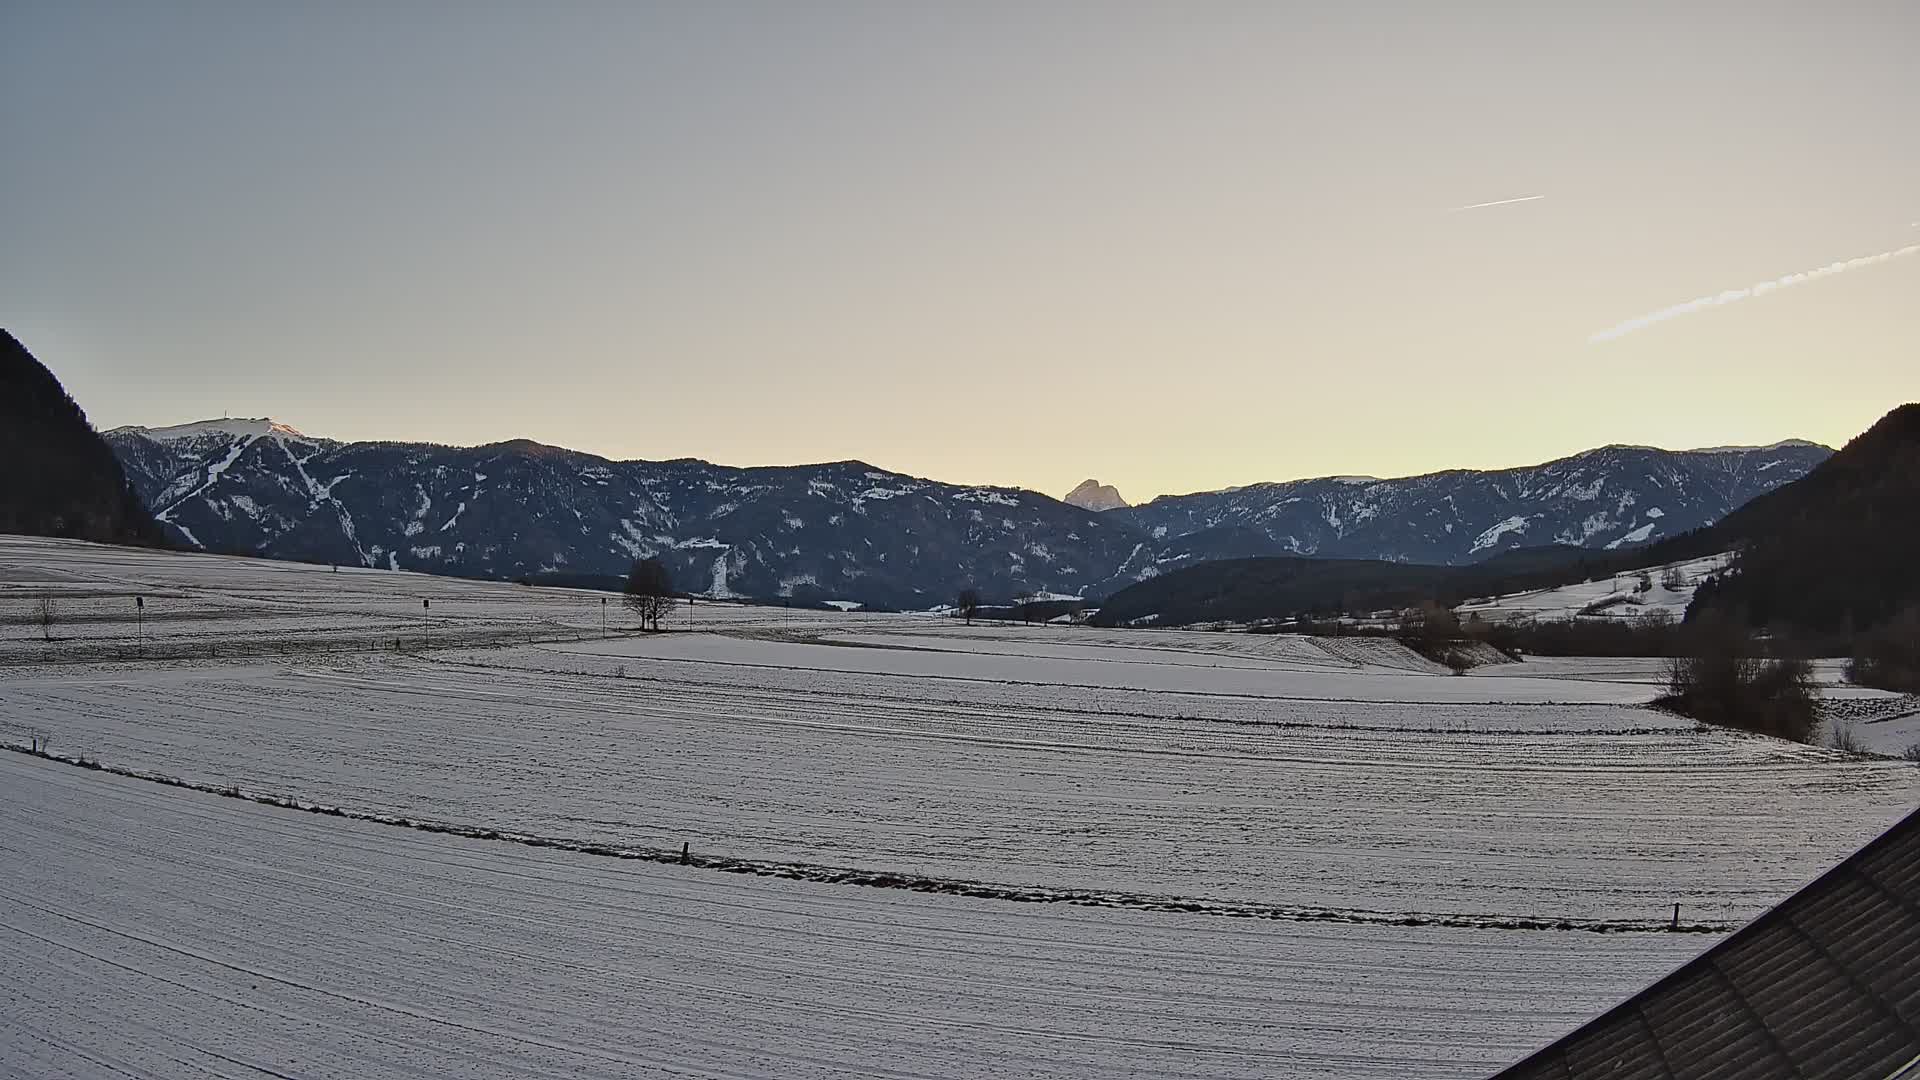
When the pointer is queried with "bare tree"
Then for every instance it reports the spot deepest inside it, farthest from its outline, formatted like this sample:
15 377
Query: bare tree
649 591
1674 579
45 613
967 603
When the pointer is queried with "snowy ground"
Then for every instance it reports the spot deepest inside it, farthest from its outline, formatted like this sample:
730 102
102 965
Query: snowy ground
153 932
1877 723
210 606
1615 597
1390 839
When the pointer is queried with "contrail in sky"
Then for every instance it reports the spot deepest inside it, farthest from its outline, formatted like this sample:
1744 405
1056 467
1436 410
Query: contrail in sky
1763 288
1497 202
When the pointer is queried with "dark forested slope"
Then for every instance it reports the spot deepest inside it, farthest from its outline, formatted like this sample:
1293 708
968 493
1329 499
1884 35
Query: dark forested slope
57 476
1837 550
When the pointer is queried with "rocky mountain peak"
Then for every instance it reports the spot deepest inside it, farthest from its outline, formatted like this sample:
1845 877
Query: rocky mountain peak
1093 495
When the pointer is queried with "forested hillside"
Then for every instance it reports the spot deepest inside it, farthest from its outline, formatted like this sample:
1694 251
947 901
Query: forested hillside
1837 551
57 476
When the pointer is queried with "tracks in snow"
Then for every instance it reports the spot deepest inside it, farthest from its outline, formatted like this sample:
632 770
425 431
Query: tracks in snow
880 879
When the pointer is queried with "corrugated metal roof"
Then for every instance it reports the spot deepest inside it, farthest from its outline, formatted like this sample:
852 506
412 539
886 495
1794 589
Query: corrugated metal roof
1826 985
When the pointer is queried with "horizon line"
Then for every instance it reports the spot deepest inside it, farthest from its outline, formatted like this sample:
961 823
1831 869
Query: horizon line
1350 478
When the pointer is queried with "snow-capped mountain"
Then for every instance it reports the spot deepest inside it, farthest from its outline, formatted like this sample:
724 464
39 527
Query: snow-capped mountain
1096 496
1607 498
850 531
843 530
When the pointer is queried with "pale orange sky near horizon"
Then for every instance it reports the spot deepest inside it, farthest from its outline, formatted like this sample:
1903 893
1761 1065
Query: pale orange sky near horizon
1173 248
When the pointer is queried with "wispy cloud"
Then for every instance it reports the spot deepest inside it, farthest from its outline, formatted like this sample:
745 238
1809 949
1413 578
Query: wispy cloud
1761 289
1496 202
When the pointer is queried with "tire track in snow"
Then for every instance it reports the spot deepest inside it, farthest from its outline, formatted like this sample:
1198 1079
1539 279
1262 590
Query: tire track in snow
882 879
562 966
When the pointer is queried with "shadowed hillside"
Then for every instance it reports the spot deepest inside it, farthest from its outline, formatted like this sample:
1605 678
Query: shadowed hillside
57 477
1835 550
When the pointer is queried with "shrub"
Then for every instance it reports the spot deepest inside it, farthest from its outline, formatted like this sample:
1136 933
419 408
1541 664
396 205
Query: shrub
1769 697
1428 629
1649 635
1840 736
1720 682
1889 657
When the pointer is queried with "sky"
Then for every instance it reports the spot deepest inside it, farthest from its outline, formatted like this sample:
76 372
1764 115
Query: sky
1174 247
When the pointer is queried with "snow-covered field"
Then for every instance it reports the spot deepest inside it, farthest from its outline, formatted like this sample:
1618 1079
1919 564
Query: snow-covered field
210 606
1878 723
1302 858
150 932
1669 590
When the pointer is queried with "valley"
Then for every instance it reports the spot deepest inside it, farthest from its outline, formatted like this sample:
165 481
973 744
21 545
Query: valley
892 823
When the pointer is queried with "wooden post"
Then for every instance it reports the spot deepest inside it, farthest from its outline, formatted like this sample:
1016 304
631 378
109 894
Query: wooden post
1676 916
683 855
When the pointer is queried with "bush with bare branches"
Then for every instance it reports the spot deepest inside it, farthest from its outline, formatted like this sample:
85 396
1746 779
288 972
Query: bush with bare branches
1721 681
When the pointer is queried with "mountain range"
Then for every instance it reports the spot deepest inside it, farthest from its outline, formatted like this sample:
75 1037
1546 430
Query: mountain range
1819 560
1609 498
848 531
